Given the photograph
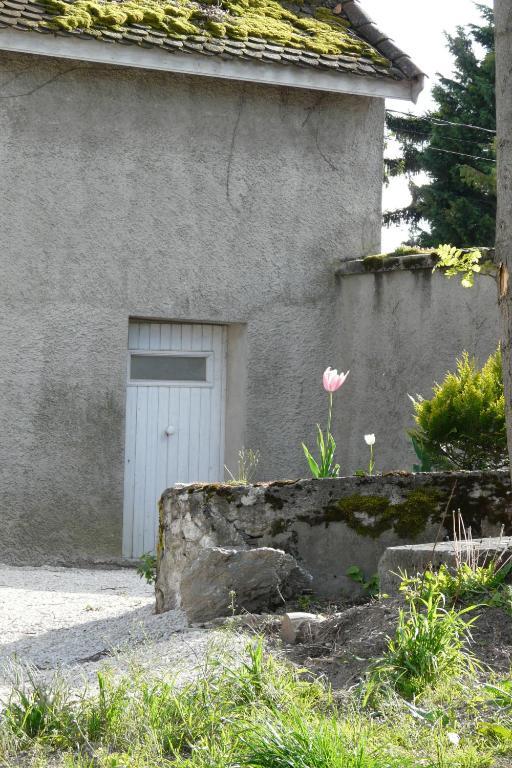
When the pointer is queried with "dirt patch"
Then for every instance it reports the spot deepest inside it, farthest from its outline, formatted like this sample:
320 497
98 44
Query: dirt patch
345 643
492 636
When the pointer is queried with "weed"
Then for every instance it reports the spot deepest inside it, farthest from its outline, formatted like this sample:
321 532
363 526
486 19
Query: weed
369 584
430 645
248 461
465 581
304 602
501 694
146 568
307 743
476 575
38 710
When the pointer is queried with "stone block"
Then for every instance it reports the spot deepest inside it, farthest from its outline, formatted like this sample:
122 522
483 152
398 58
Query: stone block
297 627
221 580
414 559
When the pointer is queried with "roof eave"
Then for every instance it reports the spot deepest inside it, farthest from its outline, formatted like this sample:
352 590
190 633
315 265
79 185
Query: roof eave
417 86
364 27
78 49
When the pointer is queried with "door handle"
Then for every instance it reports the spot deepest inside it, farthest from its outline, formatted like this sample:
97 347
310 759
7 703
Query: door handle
170 431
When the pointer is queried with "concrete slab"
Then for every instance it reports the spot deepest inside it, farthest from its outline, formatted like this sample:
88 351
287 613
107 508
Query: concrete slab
416 558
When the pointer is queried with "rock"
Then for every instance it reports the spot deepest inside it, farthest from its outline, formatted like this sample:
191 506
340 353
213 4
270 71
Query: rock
416 558
221 580
297 627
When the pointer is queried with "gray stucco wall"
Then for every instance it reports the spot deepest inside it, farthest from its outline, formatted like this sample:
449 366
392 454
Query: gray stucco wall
138 194
399 332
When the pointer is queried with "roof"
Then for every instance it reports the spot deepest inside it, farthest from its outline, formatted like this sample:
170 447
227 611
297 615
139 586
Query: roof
321 36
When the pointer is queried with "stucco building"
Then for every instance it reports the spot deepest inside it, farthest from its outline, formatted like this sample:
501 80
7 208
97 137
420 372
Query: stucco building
178 182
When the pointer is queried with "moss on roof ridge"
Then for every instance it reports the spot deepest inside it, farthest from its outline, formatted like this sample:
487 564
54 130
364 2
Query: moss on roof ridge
323 33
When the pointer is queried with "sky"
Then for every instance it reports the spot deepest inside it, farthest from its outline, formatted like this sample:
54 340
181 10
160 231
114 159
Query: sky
418 28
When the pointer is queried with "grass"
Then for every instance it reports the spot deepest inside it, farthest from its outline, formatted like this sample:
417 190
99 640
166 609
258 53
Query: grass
427 703
254 711
430 646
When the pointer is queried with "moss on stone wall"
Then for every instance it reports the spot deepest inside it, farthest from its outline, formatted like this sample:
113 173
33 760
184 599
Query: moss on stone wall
406 257
161 529
491 503
374 515
387 261
372 263
278 526
219 490
323 33
275 502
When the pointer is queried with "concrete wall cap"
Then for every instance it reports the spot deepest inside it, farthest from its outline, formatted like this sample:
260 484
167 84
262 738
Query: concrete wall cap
391 262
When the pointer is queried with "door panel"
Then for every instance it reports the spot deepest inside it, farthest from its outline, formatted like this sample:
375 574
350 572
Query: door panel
194 449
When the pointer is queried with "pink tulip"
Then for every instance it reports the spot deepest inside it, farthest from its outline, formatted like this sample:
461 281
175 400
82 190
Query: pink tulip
334 380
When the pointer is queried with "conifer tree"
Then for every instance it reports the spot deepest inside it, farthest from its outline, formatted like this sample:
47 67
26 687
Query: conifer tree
457 204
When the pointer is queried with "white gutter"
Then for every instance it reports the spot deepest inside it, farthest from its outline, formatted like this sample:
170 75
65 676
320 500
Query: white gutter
290 75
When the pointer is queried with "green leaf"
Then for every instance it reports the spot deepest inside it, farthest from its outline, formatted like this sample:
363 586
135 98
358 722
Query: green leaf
320 440
499 732
355 573
313 466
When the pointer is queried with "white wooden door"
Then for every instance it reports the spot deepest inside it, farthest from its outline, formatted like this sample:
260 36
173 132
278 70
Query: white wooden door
174 419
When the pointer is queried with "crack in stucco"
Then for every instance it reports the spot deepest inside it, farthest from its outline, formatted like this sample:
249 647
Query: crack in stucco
322 154
19 73
312 109
232 151
40 86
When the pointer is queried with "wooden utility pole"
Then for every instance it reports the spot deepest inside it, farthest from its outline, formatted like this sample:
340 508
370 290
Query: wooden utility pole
503 14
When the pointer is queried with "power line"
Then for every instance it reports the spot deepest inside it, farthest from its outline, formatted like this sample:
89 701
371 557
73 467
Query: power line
437 121
451 139
460 154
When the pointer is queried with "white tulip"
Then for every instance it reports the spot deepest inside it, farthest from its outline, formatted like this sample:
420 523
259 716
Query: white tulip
369 439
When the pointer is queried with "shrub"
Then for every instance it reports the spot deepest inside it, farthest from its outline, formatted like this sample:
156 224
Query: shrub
463 425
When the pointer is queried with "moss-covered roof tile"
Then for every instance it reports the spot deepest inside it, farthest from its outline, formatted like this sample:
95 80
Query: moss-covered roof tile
314 33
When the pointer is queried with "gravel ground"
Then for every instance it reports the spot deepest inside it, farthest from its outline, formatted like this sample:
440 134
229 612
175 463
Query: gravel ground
76 621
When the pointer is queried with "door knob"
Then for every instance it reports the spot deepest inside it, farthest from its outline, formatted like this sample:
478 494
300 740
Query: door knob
170 431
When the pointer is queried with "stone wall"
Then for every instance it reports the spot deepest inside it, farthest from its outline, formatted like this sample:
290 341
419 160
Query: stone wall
261 543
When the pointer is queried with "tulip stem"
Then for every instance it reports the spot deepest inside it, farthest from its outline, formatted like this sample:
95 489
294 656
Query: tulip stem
372 462
330 415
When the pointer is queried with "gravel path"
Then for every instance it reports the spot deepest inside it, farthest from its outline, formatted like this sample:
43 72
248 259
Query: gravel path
75 621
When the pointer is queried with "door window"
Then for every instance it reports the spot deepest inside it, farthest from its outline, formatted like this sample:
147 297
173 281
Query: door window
167 368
